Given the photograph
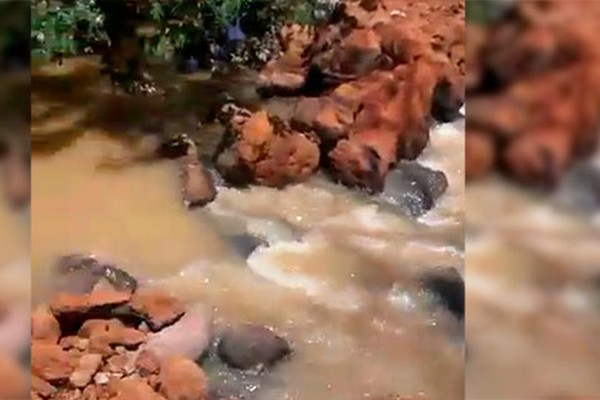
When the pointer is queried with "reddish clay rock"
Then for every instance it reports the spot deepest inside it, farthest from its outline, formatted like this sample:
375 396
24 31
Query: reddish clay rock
44 326
103 335
51 363
133 389
147 363
84 371
182 379
157 307
41 387
13 384
188 337
264 150
70 303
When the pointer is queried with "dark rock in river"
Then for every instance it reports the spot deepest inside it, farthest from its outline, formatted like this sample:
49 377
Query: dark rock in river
447 287
414 187
251 346
245 243
78 273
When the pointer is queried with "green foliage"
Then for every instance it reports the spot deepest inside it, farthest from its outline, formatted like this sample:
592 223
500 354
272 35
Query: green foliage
71 26
56 28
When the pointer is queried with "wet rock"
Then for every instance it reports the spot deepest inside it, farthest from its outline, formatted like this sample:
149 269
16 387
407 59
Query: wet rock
188 337
79 273
251 346
156 307
245 243
182 379
414 188
51 363
197 185
448 288
86 368
13 384
70 303
261 149
44 326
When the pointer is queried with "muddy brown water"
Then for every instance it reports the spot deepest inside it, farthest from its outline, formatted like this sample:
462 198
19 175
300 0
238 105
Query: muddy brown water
335 279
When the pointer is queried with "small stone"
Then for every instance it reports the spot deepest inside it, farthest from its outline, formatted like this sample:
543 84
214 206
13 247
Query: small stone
182 379
50 362
41 387
157 307
101 378
147 363
44 326
85 370
104 334
74 342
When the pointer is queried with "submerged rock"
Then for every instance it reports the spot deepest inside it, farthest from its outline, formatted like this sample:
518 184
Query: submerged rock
448 287
78 273
245 243
414 188
251 346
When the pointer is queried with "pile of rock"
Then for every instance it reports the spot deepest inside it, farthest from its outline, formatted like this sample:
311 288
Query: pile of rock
534 91
92 346
377 74
102 337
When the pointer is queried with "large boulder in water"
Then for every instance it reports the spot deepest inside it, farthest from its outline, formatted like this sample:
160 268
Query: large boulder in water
414 188
262 149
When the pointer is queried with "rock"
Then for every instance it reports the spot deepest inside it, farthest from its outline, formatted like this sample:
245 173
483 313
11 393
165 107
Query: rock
85 370
51 363
448 287
147 363
182 379
156 307
251 346
245 243
79 273
414 188
188 337
70 303
44 326
197 185
41 387
13 384
264 150
133 389
105 334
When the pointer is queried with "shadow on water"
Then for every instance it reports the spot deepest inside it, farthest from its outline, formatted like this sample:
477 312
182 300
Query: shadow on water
74 98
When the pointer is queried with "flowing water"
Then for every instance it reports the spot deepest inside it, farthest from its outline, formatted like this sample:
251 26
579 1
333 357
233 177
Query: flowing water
334 273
